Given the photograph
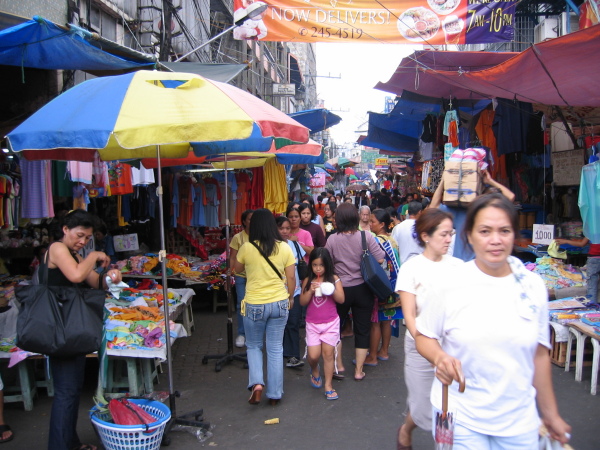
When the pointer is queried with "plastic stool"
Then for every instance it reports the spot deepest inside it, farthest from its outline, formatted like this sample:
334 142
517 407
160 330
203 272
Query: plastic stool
574 332
595 358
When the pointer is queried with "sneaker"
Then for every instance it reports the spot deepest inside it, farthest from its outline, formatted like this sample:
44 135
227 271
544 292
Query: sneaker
294 362
240 341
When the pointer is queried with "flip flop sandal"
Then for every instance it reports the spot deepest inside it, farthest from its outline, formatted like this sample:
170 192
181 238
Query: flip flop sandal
382 358
331 395
364 375
339 376
365 364
316 382
4 429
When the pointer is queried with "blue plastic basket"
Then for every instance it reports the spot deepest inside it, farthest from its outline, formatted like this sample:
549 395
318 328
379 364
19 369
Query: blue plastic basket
132 437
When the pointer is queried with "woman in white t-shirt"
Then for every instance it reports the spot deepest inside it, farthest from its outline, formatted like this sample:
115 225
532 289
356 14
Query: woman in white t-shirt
434 233
490 316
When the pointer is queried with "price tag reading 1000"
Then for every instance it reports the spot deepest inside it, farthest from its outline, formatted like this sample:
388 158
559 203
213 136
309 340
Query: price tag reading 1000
543 234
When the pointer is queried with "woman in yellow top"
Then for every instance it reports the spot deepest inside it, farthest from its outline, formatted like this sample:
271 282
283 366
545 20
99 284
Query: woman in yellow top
267 261
240 278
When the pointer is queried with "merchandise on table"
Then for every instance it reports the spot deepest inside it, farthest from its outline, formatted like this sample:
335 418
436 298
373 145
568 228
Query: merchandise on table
149 264
556 274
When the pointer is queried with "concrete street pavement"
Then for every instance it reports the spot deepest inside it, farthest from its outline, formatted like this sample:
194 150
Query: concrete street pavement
366 415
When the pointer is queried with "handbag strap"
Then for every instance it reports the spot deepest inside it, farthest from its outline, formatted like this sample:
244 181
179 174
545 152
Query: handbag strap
364 242
266 259
297 251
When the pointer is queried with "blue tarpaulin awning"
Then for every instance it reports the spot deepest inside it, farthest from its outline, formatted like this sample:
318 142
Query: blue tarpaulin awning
41 44
316 119
399 130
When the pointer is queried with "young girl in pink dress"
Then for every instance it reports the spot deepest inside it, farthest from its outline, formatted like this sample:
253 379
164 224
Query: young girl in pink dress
321 290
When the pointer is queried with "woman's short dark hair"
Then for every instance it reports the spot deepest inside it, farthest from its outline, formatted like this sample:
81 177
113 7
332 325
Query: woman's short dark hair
484 201
346 218
245 215
79 218
304 206
323 253
393 212
280 220
429 221
332 206
291 207
73 219
264 230
383 217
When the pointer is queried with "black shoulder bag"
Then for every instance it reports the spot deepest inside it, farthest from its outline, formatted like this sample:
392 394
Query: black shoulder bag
59 321
373 273
301 266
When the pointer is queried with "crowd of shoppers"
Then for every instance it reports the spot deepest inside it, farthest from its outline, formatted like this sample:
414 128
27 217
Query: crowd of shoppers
450 271
444 297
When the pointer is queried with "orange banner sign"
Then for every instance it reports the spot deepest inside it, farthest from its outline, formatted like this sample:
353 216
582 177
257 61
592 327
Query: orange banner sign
434 22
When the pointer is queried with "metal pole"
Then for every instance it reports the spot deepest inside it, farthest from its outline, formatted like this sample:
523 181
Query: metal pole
162 255
228 269
214 38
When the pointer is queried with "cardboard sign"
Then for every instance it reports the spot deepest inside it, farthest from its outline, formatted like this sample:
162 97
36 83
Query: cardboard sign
126 242
543 234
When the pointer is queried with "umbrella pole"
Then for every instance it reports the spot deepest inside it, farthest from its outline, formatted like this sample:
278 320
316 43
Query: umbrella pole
229 356
162 254
192 419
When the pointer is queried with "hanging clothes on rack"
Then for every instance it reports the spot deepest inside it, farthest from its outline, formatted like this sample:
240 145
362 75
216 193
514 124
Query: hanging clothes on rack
119 175
213 200
37 201
80 172
62 186
257 195
198 216
589 201
230 193
275 188
486 136
242 195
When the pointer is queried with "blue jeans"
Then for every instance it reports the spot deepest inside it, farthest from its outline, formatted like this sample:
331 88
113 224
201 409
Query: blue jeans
291 335
269 319
593 273
240 292
68 374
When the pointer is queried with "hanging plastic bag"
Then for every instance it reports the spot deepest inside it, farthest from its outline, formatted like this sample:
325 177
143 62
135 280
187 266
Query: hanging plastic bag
547 443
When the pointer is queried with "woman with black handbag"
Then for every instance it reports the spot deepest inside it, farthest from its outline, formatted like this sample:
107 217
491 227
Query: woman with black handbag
346 251
67 268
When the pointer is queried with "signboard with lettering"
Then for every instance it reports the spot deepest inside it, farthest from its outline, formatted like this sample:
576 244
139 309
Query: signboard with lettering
381 162
542 234
566 167
430 22
126 242
284 89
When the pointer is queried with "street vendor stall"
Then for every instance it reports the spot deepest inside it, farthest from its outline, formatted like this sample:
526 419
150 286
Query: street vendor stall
135 342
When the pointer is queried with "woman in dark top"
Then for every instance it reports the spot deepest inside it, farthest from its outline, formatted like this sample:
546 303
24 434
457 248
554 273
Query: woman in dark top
307 214
328 220
67 268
